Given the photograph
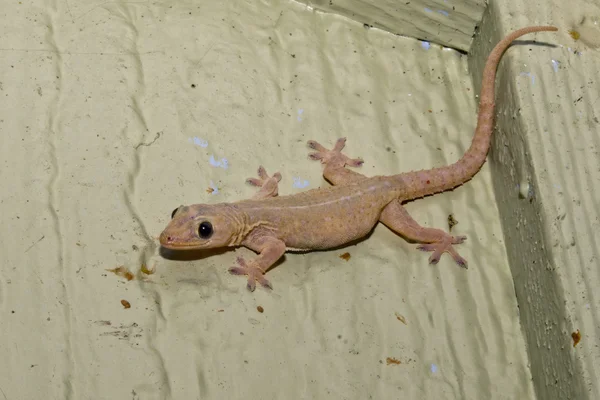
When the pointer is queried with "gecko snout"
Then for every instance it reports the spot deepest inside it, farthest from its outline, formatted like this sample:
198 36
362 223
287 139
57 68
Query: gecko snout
165 239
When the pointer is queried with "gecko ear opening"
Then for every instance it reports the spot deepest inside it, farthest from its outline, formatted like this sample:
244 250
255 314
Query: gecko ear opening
205 230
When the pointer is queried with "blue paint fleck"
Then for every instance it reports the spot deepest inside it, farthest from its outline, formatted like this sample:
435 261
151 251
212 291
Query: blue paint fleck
300 112
434 368
529 74
428 10
223 163
425 45
198 142
444 13
300 183
555 65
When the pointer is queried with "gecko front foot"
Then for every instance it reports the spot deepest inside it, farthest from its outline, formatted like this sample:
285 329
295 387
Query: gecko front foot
445 246
269 185
333 158
254 274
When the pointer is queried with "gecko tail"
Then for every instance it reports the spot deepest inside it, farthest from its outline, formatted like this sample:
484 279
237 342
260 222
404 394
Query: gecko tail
427 182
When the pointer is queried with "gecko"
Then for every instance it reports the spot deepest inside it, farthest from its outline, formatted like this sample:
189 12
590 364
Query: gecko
334 216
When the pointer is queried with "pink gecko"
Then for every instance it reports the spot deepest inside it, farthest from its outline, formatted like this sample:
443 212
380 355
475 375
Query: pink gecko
333 216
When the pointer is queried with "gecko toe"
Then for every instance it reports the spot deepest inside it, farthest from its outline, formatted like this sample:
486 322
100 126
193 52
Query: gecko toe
269 185
458 239
315 156
316 146
254 273
237 271
254 181
264 282
445 246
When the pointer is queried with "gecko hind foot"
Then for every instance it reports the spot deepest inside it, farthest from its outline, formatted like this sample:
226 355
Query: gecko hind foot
445 246
254 274
269 185
334 156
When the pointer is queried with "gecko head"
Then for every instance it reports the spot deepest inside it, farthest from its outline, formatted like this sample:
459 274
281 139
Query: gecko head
200 226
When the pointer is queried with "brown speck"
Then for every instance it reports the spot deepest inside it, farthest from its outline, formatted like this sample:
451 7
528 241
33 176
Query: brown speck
392 361
221 310
574 34
451 222
210 190
429 111
346 256
576 337
260 309
125 304
193 85
401 318
123 272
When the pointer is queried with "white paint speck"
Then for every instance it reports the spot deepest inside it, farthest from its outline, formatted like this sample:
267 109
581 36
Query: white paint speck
299 183
555 65
300 112
223 163
198 142
214 188
425 45
529 74
434 368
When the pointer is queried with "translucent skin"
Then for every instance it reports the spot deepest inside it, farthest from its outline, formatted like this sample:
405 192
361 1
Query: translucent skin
333 216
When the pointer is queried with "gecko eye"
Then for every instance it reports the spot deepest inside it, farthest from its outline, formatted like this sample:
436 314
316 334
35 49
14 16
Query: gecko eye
205 230
174 212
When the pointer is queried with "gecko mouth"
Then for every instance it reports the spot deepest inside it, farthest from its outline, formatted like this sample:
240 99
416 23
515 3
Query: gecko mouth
170 242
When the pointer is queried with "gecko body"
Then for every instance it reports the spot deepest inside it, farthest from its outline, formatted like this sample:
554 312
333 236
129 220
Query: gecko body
333 216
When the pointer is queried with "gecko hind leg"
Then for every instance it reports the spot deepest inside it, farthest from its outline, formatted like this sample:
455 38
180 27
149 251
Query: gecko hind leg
395 217
269 185
335 162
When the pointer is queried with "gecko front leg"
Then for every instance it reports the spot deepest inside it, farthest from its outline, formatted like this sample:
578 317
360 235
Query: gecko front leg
269 185
335 162
270 250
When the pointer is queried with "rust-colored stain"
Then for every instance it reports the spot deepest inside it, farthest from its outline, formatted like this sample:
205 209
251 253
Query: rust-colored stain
147 271
122 272
260 309
576 337
126 304
210 190
574 34
346 256
401 318
392 361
